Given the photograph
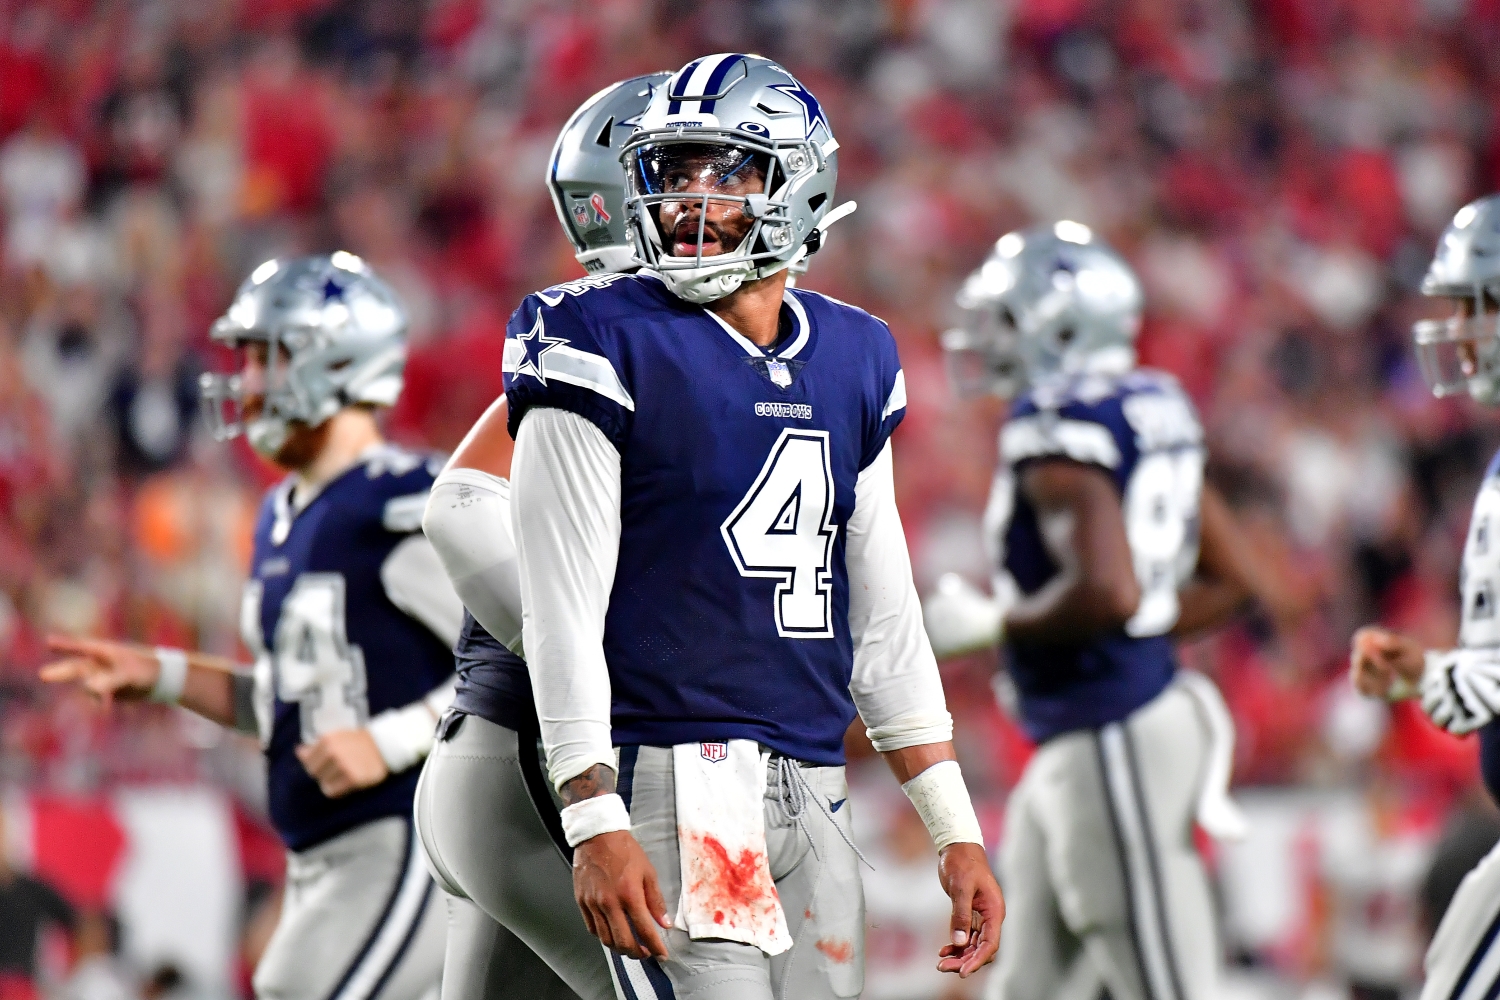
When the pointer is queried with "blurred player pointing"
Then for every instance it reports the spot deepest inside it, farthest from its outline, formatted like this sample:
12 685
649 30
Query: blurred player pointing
350 618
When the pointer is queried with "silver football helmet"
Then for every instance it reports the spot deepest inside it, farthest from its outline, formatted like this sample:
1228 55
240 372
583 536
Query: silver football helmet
1462 353
1048 300
740 131
585 177
335 336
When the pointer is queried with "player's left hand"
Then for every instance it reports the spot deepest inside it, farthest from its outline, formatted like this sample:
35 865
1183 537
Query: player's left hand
344 761
978 909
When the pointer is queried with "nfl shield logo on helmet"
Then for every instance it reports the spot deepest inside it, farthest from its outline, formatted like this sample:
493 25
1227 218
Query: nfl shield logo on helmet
581 212
714 752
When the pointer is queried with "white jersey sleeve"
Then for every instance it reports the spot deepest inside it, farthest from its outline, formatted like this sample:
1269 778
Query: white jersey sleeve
414 581
895 684
565 515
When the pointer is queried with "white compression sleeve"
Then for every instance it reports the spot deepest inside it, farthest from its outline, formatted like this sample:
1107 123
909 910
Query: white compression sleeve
565 513
895 685
468 520
415 582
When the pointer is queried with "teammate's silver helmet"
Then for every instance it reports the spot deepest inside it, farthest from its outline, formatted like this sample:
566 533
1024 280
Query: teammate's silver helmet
1462 353
1049 300
734 129
335 336
585 177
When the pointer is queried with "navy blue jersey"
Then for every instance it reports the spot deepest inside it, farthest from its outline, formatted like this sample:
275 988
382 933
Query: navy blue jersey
729 614
331 649
492 681
1141 429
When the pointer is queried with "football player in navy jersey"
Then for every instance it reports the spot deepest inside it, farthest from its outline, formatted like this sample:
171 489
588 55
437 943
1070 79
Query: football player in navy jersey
350 618
1106 546
712 569
1459 688
484 810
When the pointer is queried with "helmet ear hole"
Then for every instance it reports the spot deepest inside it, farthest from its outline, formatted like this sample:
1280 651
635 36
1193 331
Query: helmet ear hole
1065 335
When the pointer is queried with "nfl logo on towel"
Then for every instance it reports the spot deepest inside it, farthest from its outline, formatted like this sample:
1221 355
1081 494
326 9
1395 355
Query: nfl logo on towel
780 374
714 752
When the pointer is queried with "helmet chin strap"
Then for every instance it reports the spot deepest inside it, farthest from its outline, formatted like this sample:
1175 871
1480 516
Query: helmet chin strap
702 285
267 436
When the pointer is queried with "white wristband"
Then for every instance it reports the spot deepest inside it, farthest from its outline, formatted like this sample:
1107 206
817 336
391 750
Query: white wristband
587 819
171 675
942 800
404 736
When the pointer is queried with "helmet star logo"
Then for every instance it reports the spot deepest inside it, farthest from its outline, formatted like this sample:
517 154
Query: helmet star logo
534 346
811 109
634 121
332 290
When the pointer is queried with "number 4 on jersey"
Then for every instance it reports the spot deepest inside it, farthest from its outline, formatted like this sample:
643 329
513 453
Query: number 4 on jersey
783 530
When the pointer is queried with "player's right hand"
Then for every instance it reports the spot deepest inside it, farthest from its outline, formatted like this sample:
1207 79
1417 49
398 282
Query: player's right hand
1385 664
106 670
960 619
616 889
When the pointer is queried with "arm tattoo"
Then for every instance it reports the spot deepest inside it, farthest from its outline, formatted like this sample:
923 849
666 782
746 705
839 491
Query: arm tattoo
596 781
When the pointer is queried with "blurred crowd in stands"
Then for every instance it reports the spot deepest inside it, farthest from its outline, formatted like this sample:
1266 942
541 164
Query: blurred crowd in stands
1277 171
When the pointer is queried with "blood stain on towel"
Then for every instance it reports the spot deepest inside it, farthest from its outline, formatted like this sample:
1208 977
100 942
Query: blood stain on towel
738 888
840 951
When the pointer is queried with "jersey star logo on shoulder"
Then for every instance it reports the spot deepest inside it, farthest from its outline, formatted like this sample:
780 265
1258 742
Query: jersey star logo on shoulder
534 346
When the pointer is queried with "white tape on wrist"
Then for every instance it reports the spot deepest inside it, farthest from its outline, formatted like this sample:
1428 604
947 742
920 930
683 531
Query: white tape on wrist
171 675
942 800
587 819
404 736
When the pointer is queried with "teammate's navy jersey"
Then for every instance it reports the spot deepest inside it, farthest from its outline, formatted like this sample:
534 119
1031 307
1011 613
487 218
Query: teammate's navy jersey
331 649
1142 430
492 681
729 614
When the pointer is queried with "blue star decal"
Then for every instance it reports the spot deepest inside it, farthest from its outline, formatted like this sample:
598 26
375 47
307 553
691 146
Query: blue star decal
811 109
534 346
332 290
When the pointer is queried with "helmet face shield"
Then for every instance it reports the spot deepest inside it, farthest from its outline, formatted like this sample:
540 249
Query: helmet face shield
1460 354
676 167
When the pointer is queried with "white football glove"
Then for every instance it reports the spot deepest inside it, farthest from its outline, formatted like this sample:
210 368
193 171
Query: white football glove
960 619
1461 688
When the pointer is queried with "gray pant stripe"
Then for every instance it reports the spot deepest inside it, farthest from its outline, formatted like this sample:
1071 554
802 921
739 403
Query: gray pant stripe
1155 862
390 937
1142 896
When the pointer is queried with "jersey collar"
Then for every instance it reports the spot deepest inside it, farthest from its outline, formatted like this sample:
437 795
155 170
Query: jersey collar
789 349
294 494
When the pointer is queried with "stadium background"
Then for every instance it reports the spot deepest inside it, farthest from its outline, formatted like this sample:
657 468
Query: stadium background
1277 171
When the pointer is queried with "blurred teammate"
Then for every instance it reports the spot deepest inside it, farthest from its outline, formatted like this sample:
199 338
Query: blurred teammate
484 810
1460 688
350 618
711 561
1099 522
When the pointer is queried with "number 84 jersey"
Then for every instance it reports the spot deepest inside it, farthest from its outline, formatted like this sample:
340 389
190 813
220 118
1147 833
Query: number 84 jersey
1141 429
729 613
331 648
